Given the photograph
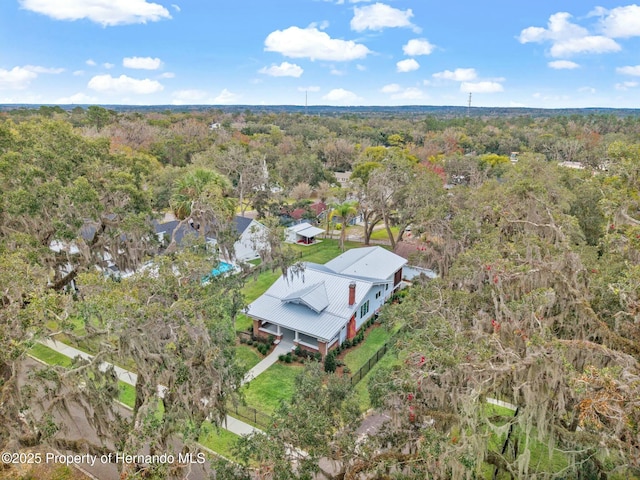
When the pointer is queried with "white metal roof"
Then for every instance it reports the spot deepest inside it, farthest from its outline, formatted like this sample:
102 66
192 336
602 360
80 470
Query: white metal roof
306 230
275 305
314 296
370 262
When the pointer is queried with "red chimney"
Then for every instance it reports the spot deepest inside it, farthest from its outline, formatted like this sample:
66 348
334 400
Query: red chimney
352 293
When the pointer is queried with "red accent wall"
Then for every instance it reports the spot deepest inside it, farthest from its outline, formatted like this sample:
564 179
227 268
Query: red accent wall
351 327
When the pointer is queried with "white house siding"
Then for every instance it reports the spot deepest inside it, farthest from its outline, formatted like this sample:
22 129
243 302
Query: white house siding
246 248
374 304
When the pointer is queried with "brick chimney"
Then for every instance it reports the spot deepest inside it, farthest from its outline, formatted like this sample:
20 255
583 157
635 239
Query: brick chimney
352 293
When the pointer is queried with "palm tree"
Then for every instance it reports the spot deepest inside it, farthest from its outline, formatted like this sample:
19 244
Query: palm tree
347 212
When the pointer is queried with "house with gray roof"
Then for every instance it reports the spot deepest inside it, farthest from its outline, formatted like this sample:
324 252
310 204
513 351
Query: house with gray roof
324 305
251 236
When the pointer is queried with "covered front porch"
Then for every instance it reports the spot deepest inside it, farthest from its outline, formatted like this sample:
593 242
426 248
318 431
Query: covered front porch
304 341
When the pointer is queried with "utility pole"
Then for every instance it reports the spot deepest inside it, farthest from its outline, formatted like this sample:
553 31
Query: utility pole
469 106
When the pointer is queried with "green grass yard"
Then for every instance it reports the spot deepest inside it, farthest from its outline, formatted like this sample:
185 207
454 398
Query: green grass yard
265 392
381 234
357 356
247 356
219 440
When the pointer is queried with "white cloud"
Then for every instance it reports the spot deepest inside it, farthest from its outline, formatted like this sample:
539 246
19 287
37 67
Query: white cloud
168 75
629 70
226 97
626 85
78 73
311 43
108 65
481 87
380 16
410 93
38 69
563 65
91 63
285 69
320 26
78 98
311 88
457 75
182 97
408 65
361 68
340 95
590 44
18 78
418 46
621 22
142 63
113 12
337 72
391 88
176 7
590 90
568 38
124 84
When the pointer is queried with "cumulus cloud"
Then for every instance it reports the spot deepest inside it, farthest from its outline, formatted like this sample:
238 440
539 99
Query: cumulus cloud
563 65
418 46
621 22
408 65
340 95
108 65
113 12
629 70
124 84
39 69
18 78
567 38
590 44
311 43
481 87
78 98
380 16
182 97
91 63
142 63
457 75
226 97
626 85
285 69
391 88
167 75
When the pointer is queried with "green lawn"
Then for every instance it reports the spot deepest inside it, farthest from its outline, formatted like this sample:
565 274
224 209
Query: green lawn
324 251
265 392
49 356
247 356
382 234
362 388
219 440
127 394
356 357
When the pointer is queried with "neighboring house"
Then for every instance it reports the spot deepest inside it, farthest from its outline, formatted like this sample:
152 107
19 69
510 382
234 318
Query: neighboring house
324 305
252 236
303 233
343 178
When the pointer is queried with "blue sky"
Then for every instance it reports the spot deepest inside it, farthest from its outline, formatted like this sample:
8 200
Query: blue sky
565 53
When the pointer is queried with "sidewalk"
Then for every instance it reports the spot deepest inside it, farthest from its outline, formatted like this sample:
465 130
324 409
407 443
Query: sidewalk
231 424
282 348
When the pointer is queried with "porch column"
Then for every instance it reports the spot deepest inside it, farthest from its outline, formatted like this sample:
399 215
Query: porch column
297 339
256 326
278 332
322 348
